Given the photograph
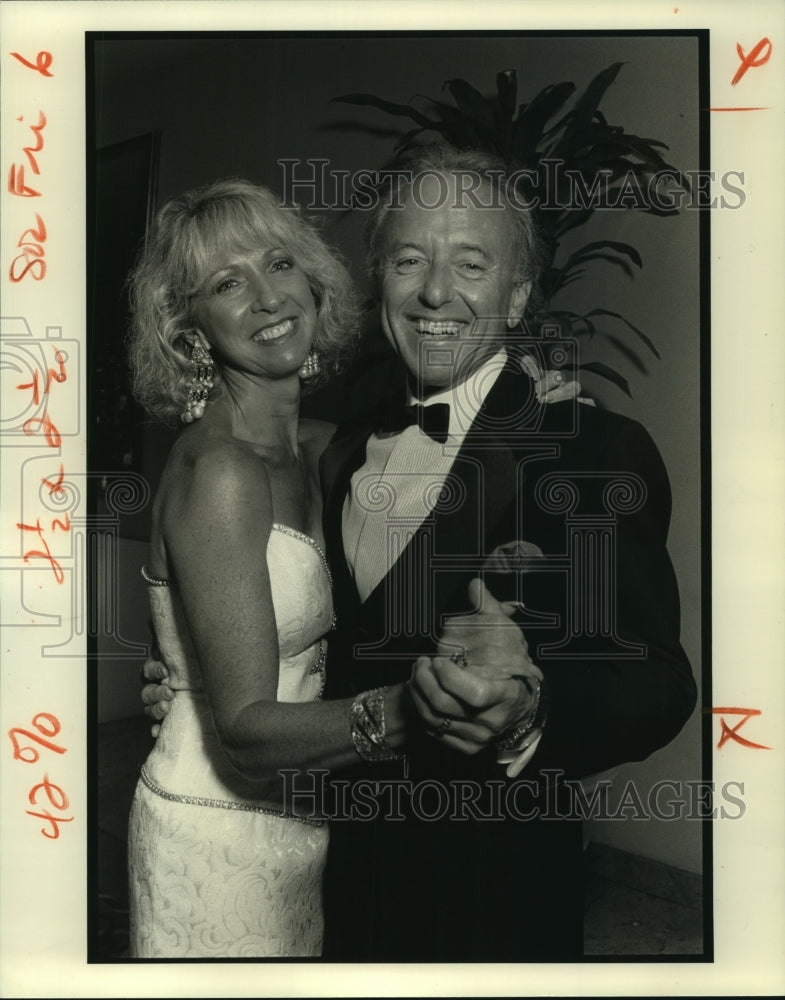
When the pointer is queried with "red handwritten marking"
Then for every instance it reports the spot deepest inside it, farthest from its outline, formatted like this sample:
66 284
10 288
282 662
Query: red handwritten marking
30 248
56 488
58 375
55 795
44 553
51 375
57 798
39 141
38 234
751 60
54 820
16 183
19 752
34 386
740 109
28 268
32 426
31 257
41 65
732 733
49 787
53 439
62 525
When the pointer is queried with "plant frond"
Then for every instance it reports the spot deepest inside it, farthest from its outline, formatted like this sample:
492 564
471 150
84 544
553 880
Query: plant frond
598 368
635 329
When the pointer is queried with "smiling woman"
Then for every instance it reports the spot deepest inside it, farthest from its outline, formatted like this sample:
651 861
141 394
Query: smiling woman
230 298
238 311
218 241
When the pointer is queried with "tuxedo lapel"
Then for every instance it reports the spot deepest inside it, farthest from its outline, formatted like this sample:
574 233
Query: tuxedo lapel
344 455
478 509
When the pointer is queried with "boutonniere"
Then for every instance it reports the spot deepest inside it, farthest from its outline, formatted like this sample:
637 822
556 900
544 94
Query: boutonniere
516 556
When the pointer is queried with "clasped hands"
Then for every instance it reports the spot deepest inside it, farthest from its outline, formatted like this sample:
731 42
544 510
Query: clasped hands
481 680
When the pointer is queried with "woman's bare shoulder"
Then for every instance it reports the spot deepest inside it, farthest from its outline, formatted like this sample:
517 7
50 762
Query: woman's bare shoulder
215 469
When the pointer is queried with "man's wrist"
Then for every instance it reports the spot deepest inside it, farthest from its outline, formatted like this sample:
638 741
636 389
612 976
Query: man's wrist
515 736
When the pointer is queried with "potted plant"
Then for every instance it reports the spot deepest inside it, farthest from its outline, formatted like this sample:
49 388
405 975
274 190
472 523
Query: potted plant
570 161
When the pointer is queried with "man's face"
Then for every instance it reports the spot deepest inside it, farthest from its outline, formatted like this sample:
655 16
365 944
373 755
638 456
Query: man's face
447 282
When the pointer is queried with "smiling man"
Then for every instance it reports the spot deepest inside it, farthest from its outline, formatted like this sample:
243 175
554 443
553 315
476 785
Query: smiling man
468 846
470 850
451 282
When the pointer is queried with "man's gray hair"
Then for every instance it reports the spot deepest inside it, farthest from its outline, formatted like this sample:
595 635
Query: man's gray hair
528 247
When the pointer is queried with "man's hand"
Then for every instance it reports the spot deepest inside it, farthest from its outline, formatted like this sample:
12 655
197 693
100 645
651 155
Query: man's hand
157 695
549 386
482 679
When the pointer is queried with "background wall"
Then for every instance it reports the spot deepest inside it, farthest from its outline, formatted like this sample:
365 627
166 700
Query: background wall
238 104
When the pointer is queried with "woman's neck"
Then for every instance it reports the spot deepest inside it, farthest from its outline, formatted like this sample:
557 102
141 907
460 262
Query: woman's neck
265 414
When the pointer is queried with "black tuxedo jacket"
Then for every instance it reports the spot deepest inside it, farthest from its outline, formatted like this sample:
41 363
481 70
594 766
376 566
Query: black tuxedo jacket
500 879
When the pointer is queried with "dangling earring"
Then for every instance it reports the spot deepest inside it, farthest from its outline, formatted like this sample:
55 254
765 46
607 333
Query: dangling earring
312 365
202 381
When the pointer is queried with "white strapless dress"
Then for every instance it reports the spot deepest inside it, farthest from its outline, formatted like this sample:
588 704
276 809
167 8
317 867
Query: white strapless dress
214 871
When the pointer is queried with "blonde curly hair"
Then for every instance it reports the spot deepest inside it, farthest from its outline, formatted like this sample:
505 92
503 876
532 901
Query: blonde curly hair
175 261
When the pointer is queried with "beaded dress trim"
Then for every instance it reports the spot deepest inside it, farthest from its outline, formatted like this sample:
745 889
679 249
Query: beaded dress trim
199 800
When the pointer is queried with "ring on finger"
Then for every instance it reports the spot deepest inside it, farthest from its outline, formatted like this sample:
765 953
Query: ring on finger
446 723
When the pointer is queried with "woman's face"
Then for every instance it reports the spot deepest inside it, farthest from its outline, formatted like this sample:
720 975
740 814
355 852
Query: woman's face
256 312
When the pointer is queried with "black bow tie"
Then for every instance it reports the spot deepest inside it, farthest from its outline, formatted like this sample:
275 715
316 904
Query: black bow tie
433 420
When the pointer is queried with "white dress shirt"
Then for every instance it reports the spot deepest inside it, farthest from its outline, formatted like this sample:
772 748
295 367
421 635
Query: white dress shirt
399 484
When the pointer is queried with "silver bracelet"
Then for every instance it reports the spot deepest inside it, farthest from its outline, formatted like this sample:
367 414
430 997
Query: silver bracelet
535 718
368 729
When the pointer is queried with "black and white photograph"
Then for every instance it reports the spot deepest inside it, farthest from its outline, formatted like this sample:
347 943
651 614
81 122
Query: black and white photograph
551 492
393 546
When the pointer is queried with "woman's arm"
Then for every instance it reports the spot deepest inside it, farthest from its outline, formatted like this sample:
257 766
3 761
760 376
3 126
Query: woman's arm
216 531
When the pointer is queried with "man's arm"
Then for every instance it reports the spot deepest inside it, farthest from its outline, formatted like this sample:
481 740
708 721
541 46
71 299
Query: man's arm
607 711
602 710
